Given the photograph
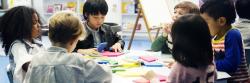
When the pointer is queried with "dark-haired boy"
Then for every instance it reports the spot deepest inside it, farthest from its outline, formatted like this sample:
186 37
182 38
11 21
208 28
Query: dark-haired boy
94 13
227 41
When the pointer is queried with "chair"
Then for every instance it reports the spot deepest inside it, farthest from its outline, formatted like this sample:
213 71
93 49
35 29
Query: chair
114 27
247 54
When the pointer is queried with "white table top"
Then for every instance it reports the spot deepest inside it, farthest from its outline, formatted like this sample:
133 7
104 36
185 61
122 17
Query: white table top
159 70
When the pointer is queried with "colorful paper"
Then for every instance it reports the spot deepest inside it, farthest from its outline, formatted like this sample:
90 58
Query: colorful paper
153 64
111 54
148 58
132 73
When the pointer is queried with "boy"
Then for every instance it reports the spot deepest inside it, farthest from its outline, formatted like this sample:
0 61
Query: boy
57 64
164 42
94 12
227 41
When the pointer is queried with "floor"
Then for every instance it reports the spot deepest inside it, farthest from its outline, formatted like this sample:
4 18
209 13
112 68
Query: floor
138 44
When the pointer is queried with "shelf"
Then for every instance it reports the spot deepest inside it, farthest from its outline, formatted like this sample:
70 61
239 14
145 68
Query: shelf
129 14
144 36
138 31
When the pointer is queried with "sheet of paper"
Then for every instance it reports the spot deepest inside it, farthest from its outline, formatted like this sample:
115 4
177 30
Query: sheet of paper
111 54
222 75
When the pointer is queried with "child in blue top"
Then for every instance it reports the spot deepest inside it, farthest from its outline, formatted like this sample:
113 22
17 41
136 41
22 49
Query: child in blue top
227 41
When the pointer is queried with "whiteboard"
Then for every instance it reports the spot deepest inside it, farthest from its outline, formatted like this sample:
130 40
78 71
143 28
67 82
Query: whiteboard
156 12
160 11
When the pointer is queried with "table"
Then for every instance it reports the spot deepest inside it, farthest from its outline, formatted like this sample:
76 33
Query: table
222 76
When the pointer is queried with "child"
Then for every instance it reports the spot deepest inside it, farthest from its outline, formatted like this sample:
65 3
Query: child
20 28
227 41
243 24
57 64
192 51
164 42
94 12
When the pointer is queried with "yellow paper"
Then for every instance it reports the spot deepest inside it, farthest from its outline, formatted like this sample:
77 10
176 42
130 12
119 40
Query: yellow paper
71 4
133 73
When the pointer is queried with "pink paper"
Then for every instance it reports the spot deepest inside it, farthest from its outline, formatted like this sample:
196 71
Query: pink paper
148 58
111 54
162 78
141 80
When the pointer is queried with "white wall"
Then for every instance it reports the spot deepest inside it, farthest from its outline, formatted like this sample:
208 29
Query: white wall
172 3
114 13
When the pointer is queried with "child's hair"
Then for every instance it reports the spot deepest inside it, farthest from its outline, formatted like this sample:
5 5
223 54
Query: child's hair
188 6
94 7
220 8
65 26
16 24
242 7
192 41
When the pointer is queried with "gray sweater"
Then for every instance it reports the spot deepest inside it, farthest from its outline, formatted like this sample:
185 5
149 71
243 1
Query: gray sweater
244 26
57 66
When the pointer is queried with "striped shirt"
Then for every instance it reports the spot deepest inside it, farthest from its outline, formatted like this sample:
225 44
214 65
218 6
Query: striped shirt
169 42
230 56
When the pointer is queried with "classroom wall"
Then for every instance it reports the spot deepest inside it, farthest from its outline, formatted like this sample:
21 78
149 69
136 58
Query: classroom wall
114 13
172 3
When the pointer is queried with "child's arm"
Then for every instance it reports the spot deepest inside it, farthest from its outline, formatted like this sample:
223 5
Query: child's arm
233 52
158 44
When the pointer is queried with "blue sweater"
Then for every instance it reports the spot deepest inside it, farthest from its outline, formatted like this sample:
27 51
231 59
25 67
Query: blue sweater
228 51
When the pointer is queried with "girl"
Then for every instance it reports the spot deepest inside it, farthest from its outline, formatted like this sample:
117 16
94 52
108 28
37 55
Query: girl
20 28
192 51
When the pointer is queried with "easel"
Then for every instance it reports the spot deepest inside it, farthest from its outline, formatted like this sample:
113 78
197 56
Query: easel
139 15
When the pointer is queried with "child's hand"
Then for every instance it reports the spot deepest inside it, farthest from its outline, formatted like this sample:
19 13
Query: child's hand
169 62
117 47
169 65
152 77
167 28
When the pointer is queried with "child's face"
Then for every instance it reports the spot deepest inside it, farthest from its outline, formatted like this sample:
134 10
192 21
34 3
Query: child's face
178 12
214 25
36 26
95 21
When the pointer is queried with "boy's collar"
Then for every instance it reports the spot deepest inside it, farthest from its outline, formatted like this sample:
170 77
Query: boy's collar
222 32
92 30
